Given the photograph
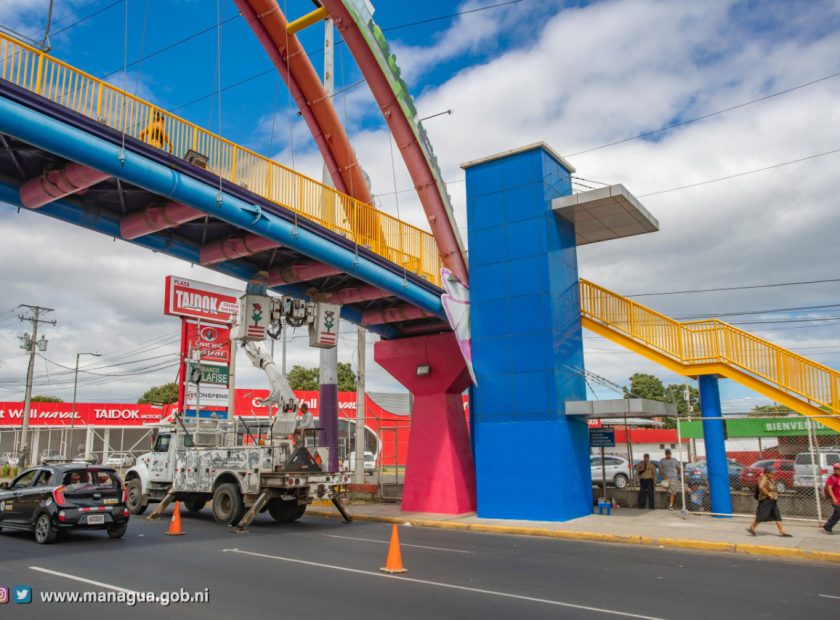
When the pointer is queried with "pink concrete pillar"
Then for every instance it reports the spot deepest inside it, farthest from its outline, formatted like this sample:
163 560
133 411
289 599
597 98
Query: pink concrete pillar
157 218
55 184
234 247
440 474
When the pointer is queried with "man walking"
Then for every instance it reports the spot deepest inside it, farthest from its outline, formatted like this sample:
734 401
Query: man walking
832 491
768 507
670 470
646 473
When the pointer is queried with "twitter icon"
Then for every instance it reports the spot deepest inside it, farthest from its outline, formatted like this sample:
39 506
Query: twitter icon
23 594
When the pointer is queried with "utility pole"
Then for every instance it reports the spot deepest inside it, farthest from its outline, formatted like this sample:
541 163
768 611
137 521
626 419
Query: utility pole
68 443
359 474
31 345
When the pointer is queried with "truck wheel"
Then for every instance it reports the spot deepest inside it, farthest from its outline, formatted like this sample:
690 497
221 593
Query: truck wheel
45 531
285 511
136 504
194 504
227 504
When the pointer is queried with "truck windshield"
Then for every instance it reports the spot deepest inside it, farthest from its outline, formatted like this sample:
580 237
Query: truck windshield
161 443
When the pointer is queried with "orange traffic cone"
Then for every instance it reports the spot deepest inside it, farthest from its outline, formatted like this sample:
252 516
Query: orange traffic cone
175 523
394 562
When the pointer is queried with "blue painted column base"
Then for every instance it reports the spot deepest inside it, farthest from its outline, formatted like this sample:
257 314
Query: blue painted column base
715 442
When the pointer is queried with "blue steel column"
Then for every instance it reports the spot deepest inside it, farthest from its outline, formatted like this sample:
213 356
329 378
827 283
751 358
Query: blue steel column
714 439
532 461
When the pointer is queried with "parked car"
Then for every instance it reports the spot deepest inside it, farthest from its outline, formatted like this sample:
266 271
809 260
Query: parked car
62 497
120 460
617 470
81 458
804 465
784 474
696 474
50 455
10 459
369 462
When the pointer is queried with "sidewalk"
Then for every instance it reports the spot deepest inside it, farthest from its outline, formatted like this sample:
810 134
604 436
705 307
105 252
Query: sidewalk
659 528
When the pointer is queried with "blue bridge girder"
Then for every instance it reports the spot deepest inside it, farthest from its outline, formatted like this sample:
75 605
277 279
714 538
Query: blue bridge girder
56 135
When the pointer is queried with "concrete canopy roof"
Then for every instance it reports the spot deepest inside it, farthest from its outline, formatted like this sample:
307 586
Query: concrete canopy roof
605 213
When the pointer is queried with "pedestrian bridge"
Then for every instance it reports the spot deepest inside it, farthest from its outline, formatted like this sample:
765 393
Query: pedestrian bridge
79 149
713 347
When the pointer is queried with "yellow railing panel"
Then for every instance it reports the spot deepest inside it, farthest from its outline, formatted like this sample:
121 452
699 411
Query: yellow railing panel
403 244
713 341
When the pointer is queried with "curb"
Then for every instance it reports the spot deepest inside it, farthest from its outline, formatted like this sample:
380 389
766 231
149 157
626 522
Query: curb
676 543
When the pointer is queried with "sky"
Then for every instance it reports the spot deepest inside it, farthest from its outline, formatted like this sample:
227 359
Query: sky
577 75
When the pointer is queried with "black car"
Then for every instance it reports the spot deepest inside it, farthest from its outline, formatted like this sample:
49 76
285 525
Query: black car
64 496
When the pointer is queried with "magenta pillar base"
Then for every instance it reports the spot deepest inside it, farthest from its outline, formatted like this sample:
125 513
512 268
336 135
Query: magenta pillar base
440 474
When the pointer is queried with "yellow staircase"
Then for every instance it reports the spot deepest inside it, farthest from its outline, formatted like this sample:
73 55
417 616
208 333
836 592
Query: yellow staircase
710 346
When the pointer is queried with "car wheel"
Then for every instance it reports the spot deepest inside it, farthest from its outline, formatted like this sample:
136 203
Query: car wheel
136 504
284 511
45 531
620 481
117 531
194 504
227 504
781 487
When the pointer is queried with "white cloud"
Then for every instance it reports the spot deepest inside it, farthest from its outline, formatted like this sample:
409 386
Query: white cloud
584 76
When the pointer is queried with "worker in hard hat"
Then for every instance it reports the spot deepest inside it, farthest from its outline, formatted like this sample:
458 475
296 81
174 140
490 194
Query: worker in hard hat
155 133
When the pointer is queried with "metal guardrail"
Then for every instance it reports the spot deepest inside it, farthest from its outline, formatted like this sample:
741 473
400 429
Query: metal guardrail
714 341
403 244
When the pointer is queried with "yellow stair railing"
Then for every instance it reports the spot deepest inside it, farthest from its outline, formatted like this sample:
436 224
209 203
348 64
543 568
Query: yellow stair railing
408 246
711 346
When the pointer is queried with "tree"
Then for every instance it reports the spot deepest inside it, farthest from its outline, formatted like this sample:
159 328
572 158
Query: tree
675 393
46 399
645 386
346 378
301 378
650 387
771 410
160 395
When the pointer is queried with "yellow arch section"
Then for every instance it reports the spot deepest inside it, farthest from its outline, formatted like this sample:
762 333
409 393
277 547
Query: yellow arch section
711 346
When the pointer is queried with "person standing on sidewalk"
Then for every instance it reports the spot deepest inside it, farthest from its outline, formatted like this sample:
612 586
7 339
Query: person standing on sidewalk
832 492
670 470
768 507
646 473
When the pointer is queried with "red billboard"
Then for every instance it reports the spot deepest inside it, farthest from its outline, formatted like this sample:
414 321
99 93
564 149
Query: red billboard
197 300
213 341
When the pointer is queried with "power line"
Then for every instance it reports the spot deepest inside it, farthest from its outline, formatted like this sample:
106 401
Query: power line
740 174
735 288
260 74
87 17
652 132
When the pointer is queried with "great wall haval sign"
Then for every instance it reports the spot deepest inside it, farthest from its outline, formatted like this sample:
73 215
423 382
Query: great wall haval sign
199 300
87 414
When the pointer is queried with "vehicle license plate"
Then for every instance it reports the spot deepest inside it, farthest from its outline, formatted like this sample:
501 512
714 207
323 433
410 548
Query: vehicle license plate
95 519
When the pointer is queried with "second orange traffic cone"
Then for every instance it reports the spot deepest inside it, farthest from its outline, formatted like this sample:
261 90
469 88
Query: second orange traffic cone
394 562
175 523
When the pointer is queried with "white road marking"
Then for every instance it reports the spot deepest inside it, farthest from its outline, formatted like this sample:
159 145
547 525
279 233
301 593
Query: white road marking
450 586
829 596
83 580
402 544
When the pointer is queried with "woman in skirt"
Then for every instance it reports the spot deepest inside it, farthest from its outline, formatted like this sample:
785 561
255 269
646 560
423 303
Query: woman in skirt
768 507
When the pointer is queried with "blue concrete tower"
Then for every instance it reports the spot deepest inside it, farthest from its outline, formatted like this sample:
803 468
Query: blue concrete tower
532 462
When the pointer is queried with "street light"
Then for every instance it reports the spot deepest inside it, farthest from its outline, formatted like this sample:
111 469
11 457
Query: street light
73 415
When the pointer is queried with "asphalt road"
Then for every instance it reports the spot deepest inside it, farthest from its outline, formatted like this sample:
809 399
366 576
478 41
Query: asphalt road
323 568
